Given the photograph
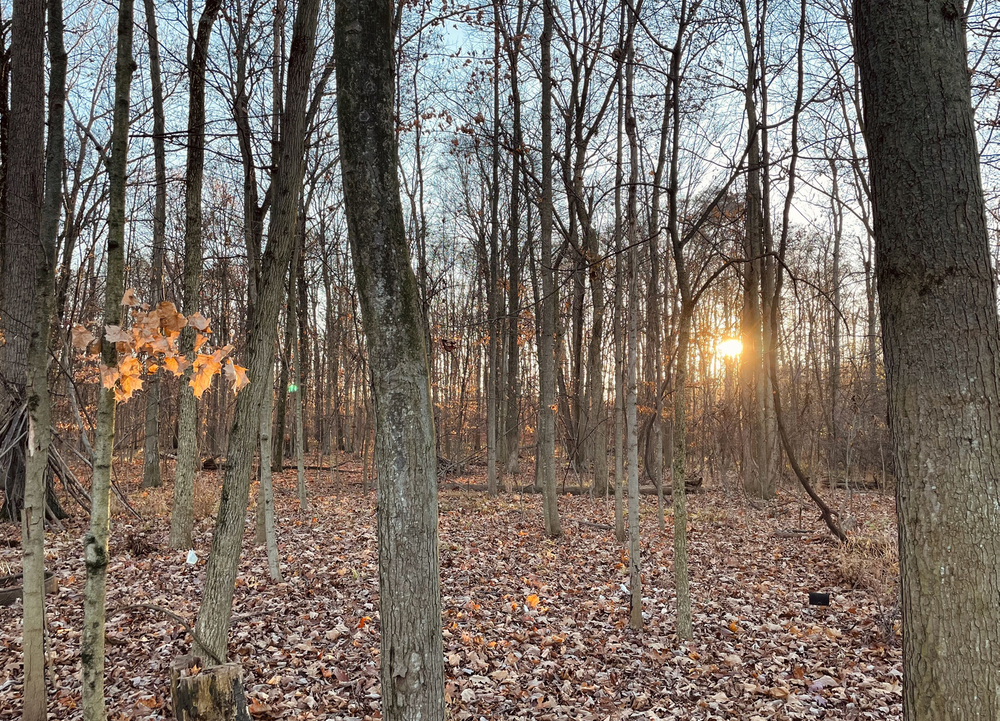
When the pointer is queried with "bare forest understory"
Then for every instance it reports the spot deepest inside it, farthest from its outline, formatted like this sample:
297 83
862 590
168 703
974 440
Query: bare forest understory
533 628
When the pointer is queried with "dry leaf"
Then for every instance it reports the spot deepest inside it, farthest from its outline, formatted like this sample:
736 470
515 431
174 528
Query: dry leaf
129 298
108 376
237 375
81 337
115 334
169 317
199 322
205 367
176 364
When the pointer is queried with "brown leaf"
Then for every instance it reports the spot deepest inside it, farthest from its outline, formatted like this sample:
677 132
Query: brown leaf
237 375
129 298
204 369
170 318
115 334
199 322
81 337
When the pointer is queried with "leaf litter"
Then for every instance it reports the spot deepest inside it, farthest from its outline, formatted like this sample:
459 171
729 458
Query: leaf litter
533 628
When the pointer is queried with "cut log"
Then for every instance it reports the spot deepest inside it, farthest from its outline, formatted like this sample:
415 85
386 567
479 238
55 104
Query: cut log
207 694
11 587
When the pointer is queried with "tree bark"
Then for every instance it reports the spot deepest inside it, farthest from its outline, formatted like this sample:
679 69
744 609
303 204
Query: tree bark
95 546
546 462
756 472
220 574
23 185
631 412
412 667
188 461
24 180
941 342
266 528
151 454
618 319
42 223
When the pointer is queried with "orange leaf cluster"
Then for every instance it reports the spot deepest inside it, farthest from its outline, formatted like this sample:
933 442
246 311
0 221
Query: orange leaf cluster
151 343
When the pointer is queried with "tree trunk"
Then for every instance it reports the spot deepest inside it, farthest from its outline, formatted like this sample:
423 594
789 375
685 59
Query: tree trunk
23 179
412 668
631 412
266 527
546 462
212 694
151 455
220 574
756 479
95 547
44 228
182 513
300 473
512 428
618 320
682 586
941 342
278 444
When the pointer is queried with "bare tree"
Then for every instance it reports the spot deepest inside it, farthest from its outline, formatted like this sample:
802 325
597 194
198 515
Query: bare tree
213 621
409 588
95 550
182 513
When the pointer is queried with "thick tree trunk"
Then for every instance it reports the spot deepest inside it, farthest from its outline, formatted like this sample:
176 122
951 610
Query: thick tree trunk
95 547
941 341
412 658
188 461
220 575
23 184
24 188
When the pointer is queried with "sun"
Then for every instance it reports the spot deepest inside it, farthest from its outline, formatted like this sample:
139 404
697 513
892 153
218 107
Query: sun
730 347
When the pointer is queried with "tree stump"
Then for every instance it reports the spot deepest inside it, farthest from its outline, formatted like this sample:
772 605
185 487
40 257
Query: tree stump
207 694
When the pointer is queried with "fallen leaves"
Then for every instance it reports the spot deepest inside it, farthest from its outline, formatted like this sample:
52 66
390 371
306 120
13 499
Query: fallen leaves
531 629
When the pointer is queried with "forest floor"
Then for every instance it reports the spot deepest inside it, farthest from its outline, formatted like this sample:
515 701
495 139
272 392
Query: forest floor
534 628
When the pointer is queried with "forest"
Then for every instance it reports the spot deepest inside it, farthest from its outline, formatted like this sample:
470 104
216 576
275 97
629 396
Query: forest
555 359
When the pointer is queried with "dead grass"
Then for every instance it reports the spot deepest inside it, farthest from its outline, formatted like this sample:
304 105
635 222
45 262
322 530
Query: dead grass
870 561
158 501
